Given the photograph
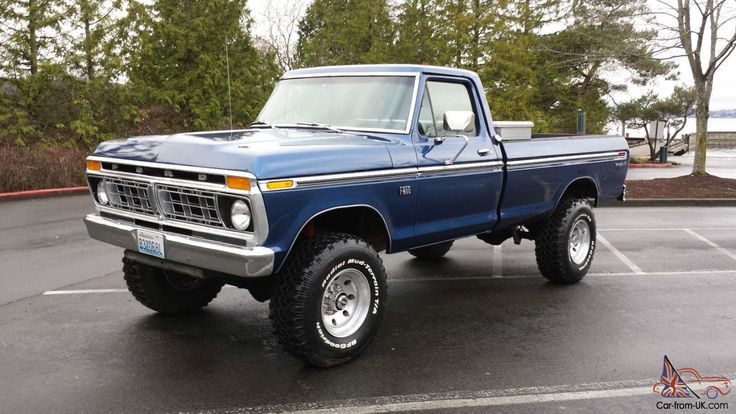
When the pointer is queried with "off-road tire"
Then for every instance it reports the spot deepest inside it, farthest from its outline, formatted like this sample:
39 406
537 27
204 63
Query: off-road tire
552 242
297 299
155 289
433 252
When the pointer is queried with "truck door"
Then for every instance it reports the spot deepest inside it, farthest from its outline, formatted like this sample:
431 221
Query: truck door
454 198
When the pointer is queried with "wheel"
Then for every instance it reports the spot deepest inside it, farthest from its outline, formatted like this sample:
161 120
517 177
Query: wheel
168 292
565 243
432 252
711 392
328 299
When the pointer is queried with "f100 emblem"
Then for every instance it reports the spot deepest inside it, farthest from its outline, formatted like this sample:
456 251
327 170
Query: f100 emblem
405 190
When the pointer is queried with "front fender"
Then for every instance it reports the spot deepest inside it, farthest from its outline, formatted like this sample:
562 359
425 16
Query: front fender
289 211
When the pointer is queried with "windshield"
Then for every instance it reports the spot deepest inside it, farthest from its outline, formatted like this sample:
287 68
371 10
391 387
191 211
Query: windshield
348 102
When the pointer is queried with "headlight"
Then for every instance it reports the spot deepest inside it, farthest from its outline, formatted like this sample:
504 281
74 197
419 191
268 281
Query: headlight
101 193
240 214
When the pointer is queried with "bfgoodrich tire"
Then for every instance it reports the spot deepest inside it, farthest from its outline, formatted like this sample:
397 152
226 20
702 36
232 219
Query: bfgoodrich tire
328 299
566 242
168 292
433 252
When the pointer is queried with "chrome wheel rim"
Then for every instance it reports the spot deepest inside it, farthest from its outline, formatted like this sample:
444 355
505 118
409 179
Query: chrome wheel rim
345 303
579 244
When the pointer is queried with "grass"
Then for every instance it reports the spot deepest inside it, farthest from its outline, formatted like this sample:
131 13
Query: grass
39 167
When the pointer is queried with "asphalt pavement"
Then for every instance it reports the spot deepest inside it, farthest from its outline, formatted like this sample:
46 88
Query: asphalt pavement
477 331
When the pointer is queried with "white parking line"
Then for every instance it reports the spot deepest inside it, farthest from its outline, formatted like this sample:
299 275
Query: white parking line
673 273
634 268
445 279
465 399
82 291
667 228
481 402
711 244
497 266
464 278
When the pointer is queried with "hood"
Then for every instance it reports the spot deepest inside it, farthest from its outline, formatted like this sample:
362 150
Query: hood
266 153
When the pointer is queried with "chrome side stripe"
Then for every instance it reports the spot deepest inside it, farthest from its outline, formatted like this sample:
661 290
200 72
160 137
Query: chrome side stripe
412 172
569 159
355 176
471 166
488 166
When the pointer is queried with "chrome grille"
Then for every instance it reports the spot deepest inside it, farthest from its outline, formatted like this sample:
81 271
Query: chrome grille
190 205
129 195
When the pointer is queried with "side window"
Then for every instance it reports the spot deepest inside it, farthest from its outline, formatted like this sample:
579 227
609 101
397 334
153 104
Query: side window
426 124
440 97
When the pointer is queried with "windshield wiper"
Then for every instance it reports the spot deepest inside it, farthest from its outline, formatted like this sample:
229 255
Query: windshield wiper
261 124
317 125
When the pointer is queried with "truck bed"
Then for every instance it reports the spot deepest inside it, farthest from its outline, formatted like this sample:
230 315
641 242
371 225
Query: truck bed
539 170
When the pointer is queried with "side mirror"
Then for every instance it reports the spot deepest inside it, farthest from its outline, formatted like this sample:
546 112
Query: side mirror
459 121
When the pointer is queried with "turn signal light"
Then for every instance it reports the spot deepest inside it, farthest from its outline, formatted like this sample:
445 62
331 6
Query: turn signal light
238 183
279 185
94 165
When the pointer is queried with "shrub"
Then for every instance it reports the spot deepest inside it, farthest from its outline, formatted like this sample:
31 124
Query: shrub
38 167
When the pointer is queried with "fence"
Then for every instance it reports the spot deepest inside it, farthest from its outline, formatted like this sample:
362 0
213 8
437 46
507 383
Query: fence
716 139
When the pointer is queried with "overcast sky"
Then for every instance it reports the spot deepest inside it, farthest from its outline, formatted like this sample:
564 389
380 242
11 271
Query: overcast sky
724 90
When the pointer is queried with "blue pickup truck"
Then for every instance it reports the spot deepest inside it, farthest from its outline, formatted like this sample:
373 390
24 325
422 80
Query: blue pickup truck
343 163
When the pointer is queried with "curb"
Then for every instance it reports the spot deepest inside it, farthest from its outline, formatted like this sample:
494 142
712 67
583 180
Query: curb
652 165
676 202
48 192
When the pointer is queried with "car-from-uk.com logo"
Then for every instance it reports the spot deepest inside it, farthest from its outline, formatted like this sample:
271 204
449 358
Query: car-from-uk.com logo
688 383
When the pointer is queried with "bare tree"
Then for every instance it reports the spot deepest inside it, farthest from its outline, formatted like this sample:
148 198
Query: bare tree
699 33
283 19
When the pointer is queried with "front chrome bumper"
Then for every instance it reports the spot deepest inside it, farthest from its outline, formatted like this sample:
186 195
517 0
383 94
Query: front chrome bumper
193 251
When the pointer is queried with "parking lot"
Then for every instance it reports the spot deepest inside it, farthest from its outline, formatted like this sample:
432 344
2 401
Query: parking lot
479 329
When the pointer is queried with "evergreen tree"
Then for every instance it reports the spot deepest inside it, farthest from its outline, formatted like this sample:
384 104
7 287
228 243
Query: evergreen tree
29 35
103 107
76 72
601 36
92 42
510 64
421 37
29 42
179 65
339 32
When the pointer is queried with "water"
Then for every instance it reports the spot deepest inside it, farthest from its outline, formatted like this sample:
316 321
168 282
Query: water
714 124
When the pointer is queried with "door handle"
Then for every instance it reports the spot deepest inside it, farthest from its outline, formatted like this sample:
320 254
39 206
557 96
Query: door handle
483 152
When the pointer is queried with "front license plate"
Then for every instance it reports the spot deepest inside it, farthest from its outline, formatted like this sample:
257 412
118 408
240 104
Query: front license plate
151 243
